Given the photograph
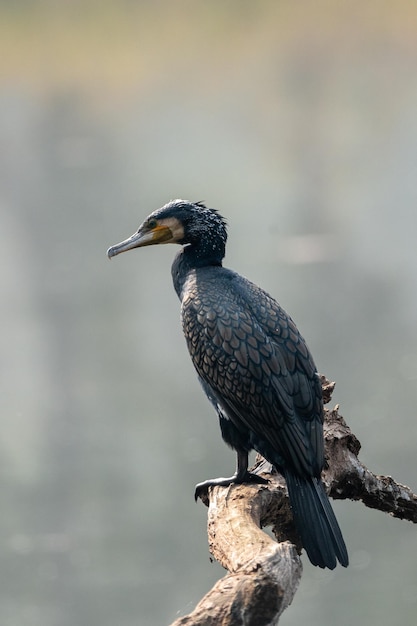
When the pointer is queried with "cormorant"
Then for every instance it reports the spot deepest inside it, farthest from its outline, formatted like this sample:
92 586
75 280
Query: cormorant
254 367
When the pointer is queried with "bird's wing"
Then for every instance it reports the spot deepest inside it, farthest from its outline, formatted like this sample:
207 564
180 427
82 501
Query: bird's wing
261 371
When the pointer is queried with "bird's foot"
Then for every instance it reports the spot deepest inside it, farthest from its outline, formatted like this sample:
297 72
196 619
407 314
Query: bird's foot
202 488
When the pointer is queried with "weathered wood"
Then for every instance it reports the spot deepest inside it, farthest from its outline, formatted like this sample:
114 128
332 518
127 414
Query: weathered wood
348 478
263 574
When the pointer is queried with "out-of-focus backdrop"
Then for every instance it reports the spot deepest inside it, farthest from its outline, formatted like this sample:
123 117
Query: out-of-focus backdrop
297 120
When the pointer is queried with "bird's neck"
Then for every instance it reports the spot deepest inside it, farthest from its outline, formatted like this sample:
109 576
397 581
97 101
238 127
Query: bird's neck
188 259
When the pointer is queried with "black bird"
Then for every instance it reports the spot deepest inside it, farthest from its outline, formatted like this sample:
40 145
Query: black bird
253 365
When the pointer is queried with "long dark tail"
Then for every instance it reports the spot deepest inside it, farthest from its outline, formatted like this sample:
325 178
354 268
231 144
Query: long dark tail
316 522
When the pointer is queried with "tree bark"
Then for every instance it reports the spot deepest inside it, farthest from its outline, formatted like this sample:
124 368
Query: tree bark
263 574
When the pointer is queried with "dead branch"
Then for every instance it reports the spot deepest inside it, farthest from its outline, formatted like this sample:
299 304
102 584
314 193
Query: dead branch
347 478
264 574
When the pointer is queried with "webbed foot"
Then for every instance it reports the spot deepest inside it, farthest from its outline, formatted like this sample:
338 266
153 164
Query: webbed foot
202 488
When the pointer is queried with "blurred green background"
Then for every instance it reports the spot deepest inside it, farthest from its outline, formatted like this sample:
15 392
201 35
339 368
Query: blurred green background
297 120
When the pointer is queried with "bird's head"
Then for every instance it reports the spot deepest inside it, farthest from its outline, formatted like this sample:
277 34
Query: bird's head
180 222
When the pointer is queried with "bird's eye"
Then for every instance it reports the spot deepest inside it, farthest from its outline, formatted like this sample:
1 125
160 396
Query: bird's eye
152 223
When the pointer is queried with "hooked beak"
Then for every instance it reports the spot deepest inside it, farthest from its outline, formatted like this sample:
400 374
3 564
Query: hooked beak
144 237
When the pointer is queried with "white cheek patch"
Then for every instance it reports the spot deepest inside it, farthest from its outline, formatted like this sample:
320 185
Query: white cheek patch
175 227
